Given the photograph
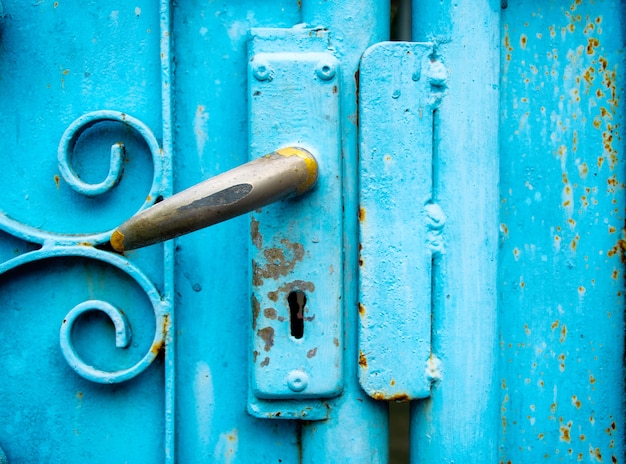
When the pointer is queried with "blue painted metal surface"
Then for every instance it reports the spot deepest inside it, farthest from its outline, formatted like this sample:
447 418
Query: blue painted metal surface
562 220
400 227
97 128
295 246
459 422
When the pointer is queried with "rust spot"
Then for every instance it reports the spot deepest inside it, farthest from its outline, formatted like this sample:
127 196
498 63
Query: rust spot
362 360
267 334
335 89
361 309
257 239
540 436
598 454
393 382
565 432
523 40
289 287
311 353
582 438
265 362
156 347
57 180
255 354
336 341
256 310
563 333
603 62
79 395
592 379
576 402
361 214
592 44
555 324
278 263
270 313
588 75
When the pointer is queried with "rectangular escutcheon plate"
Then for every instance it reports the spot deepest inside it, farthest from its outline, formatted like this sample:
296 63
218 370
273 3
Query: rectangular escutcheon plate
296 245
399 231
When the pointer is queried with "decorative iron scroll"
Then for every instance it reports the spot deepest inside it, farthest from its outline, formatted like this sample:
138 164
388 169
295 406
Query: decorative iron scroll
66 146
62 245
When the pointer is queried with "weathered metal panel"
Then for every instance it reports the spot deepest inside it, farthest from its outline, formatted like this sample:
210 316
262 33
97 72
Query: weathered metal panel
458 423
356 429
400 226
562 232
212 280
81 326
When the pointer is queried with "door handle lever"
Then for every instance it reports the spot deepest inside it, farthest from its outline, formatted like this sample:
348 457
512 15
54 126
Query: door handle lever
283 173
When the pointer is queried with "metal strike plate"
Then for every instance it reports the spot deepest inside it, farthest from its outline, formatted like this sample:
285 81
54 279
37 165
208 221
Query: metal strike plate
296 246
400 225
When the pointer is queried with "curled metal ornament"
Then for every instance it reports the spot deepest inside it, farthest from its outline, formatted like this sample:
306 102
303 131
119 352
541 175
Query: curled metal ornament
78 127
123 335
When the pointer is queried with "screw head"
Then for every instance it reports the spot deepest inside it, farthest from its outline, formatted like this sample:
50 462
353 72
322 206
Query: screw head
325 70
297 381
262 70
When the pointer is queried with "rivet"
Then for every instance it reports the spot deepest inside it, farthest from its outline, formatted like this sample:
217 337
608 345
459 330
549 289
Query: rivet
261 70
325 70
297 381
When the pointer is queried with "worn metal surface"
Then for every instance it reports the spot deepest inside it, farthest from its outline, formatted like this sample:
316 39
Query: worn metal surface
283 173
296 246
88 121
562 232
400 226
459 422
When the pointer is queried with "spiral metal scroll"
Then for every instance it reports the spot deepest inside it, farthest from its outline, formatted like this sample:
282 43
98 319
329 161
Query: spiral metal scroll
64 155
123 334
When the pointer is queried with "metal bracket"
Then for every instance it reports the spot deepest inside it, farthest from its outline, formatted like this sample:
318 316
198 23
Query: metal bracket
296 247
400 85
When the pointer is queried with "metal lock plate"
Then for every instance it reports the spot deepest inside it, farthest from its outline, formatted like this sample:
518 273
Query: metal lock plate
296 245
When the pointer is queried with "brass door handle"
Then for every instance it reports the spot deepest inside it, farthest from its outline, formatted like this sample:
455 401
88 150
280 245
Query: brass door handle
283 173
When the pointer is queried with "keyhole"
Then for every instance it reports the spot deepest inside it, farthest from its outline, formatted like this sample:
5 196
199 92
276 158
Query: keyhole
297 301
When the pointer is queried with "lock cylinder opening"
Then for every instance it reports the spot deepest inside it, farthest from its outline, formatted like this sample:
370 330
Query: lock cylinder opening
297 301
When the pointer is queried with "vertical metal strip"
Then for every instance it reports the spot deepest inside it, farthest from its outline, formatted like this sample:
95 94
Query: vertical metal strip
357 427
168 247
459 423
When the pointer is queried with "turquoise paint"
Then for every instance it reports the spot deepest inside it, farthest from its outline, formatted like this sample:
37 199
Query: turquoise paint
552 390
459 422
562 217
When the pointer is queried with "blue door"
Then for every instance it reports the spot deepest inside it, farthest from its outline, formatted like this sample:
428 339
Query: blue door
455 250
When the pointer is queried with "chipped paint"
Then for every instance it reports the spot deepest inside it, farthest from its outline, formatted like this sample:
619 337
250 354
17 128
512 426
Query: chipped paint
563 81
